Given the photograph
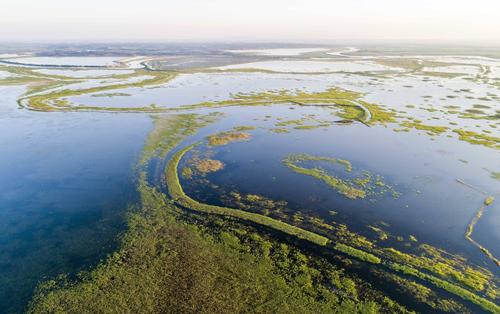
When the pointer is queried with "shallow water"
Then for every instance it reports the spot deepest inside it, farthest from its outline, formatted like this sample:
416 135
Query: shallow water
66 181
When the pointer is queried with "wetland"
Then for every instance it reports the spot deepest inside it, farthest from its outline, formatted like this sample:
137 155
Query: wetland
298 179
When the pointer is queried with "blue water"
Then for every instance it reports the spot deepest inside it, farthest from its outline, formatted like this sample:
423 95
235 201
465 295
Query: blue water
433 206
65 181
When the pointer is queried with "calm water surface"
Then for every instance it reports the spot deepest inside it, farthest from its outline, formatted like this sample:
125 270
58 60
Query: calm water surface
66 179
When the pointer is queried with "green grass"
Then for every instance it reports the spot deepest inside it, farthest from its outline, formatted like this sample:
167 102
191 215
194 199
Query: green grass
362 255
167 265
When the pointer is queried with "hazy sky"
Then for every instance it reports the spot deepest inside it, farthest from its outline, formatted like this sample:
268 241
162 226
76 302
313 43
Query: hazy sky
459 21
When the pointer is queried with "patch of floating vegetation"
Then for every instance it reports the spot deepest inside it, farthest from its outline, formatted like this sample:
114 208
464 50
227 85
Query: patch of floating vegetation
495 175
340 185
187 173
279 130
359 187
478 138
309 122
242 128
381 234
430 129
257 203
225 138
169 130
442 269
207 165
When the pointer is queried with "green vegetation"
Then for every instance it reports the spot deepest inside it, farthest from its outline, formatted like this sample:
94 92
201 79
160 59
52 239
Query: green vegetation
452 288
431 129
495 175
187 173
382 235
489 200
451 267
256 203
243 128
478 139
279 130
172 260
225 138
340 185
358 187
168 131
362 255
422 293
207 165
470 229
45 101
177 262
168 265
347 101
111 95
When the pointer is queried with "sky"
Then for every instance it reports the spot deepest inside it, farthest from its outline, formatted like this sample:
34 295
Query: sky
319 21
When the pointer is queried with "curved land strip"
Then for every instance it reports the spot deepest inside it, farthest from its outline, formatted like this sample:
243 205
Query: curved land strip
470 230
470 227
178 195
55 101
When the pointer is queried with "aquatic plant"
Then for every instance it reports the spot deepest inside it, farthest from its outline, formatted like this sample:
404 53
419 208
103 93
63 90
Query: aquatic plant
431 129
478 139
207 165
359 187
242 128
495 175
422 293
187 173
225 138
279 130
452 288
338 184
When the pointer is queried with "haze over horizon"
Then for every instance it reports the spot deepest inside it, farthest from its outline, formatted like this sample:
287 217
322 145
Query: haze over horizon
315 21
